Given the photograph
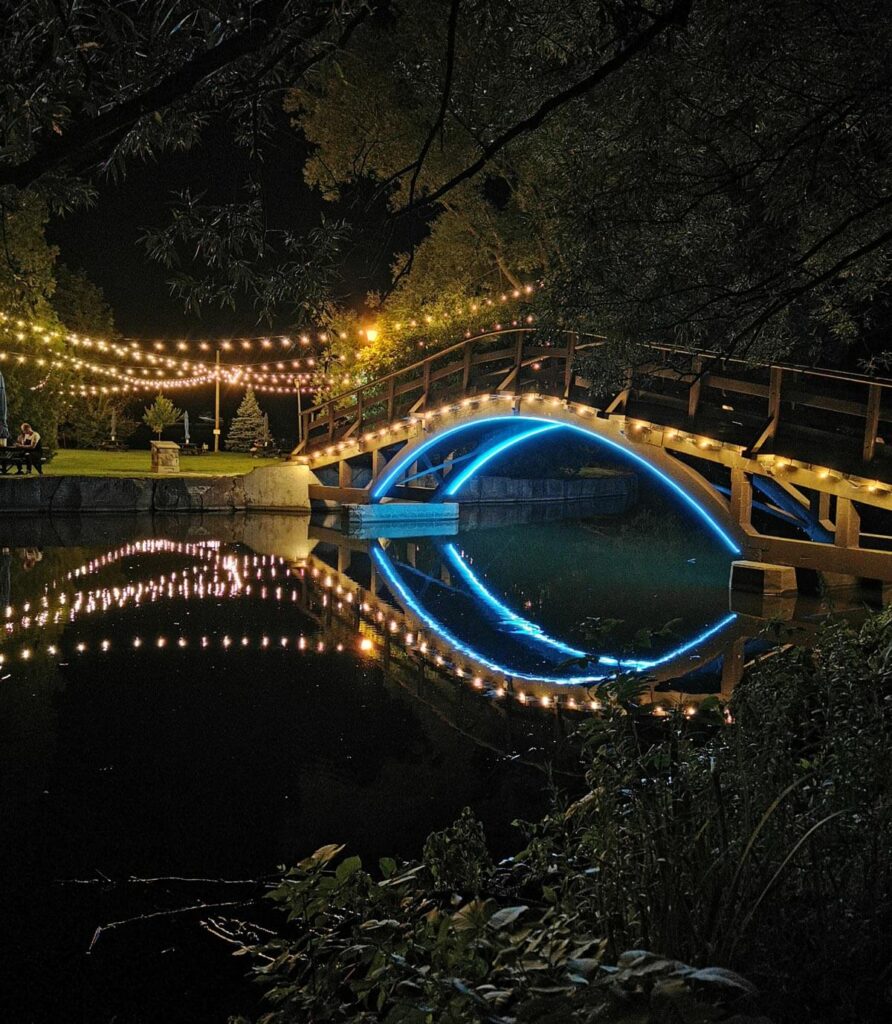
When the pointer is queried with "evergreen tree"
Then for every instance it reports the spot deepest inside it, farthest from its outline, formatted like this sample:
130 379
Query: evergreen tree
161 413
249 426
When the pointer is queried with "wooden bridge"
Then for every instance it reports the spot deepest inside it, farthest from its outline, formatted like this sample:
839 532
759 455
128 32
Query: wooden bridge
803 444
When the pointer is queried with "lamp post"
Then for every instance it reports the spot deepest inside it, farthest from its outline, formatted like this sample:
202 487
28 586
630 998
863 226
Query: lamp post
300 419
217 404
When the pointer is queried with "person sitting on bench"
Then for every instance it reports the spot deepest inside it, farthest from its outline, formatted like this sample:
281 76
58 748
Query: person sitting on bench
29 439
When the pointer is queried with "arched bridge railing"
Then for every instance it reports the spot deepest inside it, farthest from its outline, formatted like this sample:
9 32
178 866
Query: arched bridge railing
836 412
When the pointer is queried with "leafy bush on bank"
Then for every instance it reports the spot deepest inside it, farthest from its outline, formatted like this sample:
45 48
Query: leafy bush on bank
762 846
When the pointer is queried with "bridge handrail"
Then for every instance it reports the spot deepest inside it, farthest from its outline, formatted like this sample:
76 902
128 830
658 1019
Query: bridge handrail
843 376
405 371
703 362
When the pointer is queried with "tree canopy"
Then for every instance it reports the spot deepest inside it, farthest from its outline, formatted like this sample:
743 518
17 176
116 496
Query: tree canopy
730 191
682 170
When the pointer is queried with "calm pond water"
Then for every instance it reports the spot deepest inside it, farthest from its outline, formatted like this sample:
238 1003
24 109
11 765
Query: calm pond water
213 697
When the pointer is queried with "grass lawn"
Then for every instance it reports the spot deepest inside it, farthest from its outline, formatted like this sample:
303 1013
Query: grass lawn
77 462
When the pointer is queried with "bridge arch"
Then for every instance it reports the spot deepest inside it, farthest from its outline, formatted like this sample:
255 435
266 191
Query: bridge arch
530 420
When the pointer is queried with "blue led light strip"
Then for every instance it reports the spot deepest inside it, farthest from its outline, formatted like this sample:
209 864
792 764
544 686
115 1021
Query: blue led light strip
464 475
393 473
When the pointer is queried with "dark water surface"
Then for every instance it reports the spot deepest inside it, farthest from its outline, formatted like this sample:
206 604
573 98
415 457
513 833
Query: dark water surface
210 698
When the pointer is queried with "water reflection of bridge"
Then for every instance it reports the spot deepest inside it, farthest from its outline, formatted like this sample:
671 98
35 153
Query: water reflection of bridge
364 586
372 596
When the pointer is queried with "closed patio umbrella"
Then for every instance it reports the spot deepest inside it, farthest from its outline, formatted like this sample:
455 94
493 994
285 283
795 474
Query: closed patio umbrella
186 425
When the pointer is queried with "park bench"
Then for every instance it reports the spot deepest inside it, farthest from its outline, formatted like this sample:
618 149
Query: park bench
16 458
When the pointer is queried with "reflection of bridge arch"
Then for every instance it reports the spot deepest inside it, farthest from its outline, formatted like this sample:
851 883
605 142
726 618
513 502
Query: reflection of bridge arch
598 667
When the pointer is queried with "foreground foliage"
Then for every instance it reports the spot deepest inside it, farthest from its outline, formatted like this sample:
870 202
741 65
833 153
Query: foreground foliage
764 846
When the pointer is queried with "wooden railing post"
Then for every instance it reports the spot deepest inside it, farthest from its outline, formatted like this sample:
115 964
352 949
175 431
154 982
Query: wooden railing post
359 411
871 421
568 366
466 368
694 389
774 397
425 384
518 363
391 399
331 420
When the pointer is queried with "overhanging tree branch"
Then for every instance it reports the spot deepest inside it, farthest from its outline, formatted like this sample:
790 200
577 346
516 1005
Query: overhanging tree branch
444 101
83 135
676 15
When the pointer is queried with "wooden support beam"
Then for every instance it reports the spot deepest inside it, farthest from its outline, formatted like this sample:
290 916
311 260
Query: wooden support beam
820 509
848 524
345 474
391 398
741 498
871 421
339 495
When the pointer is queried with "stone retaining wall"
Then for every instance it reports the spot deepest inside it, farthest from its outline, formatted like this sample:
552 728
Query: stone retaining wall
277 488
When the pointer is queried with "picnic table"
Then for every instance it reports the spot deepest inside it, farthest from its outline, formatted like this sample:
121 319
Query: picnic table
16 456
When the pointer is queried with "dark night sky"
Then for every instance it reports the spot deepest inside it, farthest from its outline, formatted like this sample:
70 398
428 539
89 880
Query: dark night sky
104 240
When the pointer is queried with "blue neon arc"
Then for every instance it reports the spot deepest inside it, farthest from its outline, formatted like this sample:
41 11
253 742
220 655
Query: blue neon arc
403 461
477 464
410 601
517 622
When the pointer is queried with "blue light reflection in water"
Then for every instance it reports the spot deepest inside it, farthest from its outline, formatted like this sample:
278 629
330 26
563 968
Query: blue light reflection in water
405 595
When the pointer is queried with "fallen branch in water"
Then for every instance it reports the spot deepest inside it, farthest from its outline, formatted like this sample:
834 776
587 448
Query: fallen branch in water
176 912
178 879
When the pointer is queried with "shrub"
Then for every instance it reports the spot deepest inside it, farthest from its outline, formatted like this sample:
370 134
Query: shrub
756 837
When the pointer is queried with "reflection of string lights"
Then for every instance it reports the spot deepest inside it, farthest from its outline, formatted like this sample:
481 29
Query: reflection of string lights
222 574
263 642
218 576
